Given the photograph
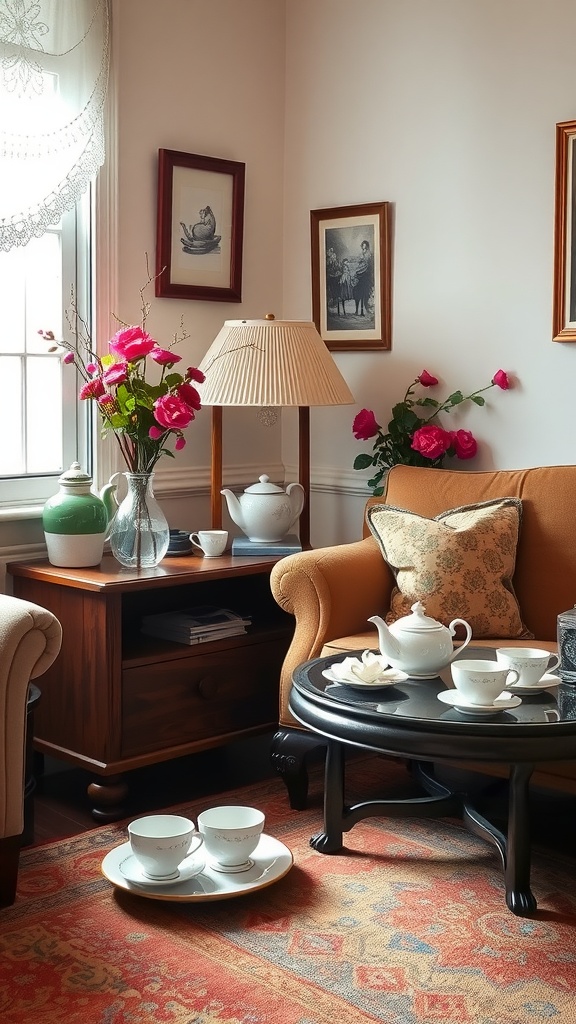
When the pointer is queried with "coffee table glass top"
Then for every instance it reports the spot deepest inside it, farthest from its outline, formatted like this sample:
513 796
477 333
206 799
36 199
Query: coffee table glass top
417 700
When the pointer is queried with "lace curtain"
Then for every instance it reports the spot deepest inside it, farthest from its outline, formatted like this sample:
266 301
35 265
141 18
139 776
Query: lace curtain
54 57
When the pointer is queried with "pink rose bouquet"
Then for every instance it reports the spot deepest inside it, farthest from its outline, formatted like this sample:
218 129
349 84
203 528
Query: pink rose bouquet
416 440
144 417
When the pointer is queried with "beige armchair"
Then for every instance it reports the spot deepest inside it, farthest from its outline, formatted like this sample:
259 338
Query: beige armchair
30 639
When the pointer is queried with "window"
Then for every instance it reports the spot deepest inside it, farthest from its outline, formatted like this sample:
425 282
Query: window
48 427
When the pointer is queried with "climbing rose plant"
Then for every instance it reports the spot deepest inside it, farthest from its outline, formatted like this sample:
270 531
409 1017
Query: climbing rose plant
414 439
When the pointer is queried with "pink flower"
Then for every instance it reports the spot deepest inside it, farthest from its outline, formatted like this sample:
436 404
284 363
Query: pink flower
68 358
107 401
193 373
427 380
116 374
464 444
92 388
156 433
172 413
131 344
365 425
189 395
431 441
180 443
91 367
164 357
500 378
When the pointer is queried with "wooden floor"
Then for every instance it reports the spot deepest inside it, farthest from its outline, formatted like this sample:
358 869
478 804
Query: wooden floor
62 808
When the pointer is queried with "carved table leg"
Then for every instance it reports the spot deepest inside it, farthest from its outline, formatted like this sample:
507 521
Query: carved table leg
517 867
330 839
290 748
107 794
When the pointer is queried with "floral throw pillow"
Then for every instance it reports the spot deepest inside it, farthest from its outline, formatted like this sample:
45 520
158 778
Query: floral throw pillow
459 564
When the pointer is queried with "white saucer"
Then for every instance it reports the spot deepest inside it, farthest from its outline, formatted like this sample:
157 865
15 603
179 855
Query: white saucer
272 860
133 871
504 702
546 682
387 678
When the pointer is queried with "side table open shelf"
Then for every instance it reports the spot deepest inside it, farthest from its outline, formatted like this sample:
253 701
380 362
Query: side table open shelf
116 700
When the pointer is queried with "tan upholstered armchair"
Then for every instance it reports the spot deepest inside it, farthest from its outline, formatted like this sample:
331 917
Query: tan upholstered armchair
333 591
30 639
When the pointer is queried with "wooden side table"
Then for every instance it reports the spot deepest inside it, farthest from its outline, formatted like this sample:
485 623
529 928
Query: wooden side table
116 700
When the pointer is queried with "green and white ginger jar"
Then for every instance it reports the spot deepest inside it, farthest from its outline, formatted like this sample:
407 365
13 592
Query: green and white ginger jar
75 521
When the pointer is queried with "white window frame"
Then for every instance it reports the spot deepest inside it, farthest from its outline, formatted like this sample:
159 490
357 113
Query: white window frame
18 491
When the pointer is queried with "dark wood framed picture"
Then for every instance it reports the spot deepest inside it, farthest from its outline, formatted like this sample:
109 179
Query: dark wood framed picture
564 305
351 276
200 227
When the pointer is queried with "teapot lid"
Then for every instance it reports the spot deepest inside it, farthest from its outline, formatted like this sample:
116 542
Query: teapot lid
418 621
75 475
264 487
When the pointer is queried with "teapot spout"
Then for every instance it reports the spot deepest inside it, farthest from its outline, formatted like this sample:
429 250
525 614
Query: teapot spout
388 643
234 508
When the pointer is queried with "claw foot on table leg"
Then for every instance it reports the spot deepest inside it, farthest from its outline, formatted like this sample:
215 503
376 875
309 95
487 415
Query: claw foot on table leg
521 902
325 844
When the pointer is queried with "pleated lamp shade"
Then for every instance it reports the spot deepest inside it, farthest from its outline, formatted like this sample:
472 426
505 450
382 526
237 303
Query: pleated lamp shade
270 363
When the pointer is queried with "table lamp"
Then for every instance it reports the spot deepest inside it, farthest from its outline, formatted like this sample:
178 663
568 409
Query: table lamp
269 363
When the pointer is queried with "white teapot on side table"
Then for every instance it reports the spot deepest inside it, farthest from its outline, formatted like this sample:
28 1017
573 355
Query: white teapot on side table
418 644
264 511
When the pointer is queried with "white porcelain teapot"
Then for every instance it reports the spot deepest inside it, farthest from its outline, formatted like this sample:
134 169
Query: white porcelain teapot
418 644
264 511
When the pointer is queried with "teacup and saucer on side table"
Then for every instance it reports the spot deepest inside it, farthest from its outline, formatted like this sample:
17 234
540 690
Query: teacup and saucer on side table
480 687
534 667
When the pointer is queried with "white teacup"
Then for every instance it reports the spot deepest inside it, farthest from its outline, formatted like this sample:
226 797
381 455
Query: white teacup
231 834
211 542
531 663
160 842
480 682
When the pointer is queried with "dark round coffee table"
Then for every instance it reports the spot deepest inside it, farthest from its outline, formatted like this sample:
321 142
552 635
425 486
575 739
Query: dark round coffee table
407 719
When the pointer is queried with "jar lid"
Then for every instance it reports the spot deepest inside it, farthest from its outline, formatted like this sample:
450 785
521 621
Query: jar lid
264 487
75 475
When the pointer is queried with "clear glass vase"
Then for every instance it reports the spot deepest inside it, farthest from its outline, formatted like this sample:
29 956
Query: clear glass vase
139 534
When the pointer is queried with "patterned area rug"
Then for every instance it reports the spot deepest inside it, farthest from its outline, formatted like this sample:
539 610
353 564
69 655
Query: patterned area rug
408 925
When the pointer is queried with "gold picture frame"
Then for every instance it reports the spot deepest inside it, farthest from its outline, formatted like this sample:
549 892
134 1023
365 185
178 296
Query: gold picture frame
564 304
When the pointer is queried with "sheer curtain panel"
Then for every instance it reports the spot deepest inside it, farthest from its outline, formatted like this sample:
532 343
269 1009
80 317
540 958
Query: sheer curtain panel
54 58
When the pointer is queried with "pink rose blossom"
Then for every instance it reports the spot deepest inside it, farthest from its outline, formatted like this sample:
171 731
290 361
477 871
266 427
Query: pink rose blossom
189 395
68 358
180 443
164 357
500 378
193 373
131 344
91 367
464 444
365 425
156 433
431 441
92 388
427 380
172 413
116 374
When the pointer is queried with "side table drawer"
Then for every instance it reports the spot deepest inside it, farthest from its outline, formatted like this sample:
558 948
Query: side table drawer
166 704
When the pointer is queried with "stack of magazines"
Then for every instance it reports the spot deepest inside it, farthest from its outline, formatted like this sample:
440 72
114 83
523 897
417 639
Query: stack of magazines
195 625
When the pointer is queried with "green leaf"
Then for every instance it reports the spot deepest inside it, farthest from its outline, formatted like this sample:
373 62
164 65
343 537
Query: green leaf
478 400
456 398
363 461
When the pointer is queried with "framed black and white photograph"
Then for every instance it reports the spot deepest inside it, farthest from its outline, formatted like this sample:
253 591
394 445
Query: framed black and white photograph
564 305
351 276
200 227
